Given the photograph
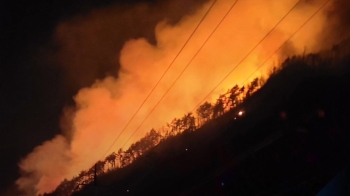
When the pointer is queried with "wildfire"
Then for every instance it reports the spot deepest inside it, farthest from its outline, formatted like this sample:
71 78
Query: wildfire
103 109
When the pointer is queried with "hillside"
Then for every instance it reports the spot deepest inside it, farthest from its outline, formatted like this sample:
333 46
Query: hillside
291 137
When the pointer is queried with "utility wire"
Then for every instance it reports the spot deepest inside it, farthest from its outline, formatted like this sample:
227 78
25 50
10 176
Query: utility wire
181 73
261 65
144 101
308 20
230 71
245 57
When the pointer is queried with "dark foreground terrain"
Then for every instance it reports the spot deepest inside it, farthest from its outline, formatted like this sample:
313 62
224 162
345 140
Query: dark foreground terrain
292 140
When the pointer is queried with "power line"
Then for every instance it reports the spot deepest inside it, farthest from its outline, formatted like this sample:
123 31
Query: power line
197 54
181 72
244 58
261 65
170 65
308 20
230 71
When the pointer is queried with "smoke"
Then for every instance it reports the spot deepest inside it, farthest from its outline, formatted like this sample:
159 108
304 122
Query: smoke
339 23
38 166
90 45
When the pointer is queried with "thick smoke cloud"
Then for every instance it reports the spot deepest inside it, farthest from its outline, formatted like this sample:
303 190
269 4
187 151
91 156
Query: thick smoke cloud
105 45
41 162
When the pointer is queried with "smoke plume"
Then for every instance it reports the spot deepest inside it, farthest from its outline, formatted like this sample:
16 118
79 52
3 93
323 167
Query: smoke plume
96 45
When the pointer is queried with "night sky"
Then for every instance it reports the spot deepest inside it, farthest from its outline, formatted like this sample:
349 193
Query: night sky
34 88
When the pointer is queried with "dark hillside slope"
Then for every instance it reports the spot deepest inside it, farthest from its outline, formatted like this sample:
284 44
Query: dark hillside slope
306 157
293 137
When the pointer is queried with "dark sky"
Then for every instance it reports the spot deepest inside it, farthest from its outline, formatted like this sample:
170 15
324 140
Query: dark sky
34 87
23 98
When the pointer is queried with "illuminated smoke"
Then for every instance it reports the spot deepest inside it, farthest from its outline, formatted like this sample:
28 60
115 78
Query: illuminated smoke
103 109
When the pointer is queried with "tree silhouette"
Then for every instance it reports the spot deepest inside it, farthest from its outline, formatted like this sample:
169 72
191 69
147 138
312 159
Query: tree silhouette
111 159
120 154
241 93
233 97
137 149
219 107
204 112
83 177
100 166
175 126
65 188
153 137
178 125
127 158
188 122
252 87
91 173
164 133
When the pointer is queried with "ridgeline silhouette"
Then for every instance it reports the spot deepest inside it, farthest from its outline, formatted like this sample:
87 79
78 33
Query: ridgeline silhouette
284 135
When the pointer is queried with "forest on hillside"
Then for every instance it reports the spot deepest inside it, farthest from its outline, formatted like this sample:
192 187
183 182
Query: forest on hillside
241 107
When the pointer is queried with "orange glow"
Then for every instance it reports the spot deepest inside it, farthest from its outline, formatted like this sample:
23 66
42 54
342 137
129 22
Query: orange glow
104 108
